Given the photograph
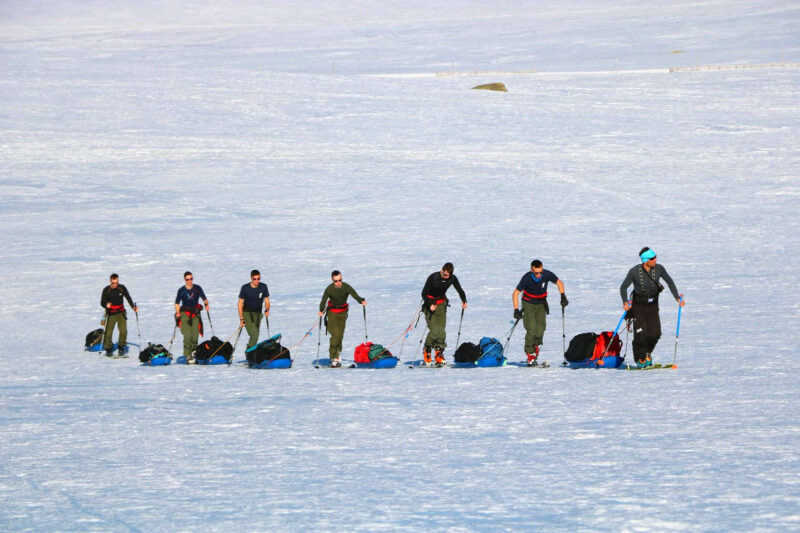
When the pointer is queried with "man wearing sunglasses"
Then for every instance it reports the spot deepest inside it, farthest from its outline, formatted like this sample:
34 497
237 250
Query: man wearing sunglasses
113 301
334 305
533 287
251 298
643 304
187 314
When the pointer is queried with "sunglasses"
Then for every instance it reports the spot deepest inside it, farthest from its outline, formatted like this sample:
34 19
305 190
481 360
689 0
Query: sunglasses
188 279
256 279
337 280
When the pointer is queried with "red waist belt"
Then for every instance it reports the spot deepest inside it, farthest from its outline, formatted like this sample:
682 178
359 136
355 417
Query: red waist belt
338 308
528 296
436 301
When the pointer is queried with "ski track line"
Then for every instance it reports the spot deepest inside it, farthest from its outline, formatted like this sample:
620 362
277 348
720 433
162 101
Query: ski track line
77 506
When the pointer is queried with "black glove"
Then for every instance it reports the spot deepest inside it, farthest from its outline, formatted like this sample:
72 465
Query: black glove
178 321
517 314
564 301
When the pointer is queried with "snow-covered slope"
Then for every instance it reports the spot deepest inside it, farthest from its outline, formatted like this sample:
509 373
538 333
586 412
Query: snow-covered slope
297 138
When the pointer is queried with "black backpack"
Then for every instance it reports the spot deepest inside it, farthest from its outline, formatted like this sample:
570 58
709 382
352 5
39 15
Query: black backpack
212 348
581 347
152 350
95 337
467 353
267 351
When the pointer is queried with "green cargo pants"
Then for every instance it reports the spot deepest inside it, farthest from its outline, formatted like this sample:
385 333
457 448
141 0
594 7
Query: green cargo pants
121 322
336 325
190 329
252 323
437 324
534 318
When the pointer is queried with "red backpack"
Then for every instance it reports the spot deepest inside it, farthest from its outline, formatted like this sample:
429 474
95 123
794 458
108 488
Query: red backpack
362 352
602 341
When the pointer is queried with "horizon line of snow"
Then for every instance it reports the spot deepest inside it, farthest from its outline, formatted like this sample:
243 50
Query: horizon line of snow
663 70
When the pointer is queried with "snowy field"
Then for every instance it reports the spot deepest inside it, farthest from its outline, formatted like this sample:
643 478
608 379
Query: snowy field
296 138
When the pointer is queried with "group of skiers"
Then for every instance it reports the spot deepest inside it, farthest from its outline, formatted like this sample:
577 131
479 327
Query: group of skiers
641 307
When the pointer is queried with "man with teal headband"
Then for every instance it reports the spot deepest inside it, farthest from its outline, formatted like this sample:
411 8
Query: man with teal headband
642 305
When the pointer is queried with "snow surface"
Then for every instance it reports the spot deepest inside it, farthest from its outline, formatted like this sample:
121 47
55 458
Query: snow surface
149 138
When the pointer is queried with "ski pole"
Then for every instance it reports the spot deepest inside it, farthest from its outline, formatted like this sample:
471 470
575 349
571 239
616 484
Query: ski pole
616 329
319 341
364 308
422 338
677 332
508 339
210 324
406 333
237 338
138 331
458 338
627 336
563 338
267 320
105 331
174 330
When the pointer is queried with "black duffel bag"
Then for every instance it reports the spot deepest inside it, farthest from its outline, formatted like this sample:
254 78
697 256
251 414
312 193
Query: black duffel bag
95 337
581 347
152 351
269 350
467 353
212 348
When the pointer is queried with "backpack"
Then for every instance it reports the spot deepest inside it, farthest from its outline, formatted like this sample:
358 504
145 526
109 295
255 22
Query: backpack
361 354
491 347
152 351
95 337
468 352
602 341
268 350
378 352
581 347
367 352
212 348
591 346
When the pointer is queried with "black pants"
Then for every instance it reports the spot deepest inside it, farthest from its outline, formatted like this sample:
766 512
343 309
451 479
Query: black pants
646 329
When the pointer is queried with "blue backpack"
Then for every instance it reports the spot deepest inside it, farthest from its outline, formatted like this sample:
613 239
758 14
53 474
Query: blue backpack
491 352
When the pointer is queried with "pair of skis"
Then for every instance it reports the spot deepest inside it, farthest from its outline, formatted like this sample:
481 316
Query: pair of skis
656 366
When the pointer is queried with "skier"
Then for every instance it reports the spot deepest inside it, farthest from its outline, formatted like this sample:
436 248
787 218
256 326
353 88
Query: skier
112 299
435 306
187 303
644 308
533 287
334 305
251 297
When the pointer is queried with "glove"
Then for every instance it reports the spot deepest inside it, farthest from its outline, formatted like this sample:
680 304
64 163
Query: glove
564 301
517 314
177 321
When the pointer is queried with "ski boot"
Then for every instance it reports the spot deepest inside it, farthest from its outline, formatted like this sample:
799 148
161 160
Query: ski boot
109 352
122 350
641 363
440 361
533 358
190 360
426 356
648 361
336 363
